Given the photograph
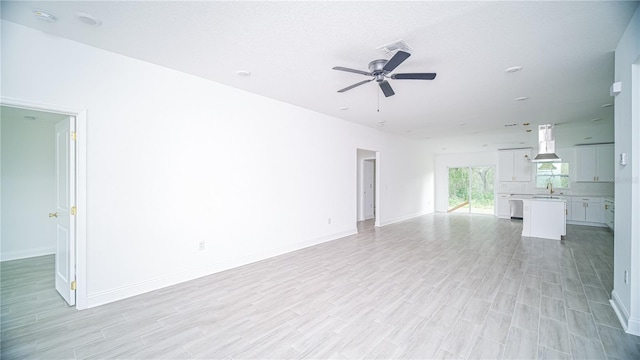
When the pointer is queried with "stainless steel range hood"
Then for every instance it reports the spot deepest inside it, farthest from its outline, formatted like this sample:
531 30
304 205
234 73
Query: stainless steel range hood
546 144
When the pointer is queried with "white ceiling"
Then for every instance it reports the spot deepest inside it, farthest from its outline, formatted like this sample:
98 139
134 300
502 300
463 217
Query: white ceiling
565 49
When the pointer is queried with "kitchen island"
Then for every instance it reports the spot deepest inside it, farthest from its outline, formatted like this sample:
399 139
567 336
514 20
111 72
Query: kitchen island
543 216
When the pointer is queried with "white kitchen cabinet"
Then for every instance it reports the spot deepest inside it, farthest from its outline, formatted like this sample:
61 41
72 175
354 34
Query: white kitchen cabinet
595 163
503 210
586 209
514 165
609 213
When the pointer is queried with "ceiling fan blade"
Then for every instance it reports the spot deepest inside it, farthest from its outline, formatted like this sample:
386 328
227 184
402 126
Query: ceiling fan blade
396 60
386 89
351 70
414 76
354 85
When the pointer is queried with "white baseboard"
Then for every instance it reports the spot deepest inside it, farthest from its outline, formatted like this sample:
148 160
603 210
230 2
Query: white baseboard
108 296
634 327
402 218
23 254
630 325
584 223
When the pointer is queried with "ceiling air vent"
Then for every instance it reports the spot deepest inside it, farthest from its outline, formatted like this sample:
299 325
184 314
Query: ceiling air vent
393 47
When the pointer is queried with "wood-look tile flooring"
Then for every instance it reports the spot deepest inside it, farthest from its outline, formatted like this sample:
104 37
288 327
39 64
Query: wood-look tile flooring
437 286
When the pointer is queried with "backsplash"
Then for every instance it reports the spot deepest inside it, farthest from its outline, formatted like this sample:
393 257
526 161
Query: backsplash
577 188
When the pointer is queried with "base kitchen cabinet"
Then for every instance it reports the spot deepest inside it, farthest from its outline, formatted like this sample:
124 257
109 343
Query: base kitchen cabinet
502 208
586 209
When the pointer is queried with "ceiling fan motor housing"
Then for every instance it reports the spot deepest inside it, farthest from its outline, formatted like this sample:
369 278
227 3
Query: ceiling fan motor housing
376 68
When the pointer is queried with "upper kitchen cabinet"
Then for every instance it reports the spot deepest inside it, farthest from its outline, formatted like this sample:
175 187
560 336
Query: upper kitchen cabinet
595 163
514 165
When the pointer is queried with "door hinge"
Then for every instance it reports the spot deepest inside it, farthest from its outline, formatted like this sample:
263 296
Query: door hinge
73 136
73 285
74 210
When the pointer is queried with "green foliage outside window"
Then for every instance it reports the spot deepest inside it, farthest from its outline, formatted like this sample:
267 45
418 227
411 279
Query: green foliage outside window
474 184
555 173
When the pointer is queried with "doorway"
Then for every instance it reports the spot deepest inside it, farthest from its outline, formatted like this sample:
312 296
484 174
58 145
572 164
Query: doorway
61 213
471 190
367 189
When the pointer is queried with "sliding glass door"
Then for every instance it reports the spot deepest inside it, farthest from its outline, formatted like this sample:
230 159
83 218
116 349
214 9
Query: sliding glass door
471 189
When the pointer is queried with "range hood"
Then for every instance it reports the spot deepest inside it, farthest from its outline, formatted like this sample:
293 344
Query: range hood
546 144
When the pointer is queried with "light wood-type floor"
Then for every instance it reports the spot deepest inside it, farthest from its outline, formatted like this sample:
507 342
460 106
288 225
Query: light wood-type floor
437 286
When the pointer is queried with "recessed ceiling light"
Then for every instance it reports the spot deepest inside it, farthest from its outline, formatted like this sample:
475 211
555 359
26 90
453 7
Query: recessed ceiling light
344 108
606 105
243 73
528 130
513 69
588 138
521 98
88 19
41 15
525 124
596 119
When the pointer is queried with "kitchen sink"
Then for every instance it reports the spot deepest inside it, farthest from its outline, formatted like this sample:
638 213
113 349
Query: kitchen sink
546 197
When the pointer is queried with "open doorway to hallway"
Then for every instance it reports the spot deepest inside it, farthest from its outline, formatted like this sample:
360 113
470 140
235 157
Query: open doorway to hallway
367 189
38 194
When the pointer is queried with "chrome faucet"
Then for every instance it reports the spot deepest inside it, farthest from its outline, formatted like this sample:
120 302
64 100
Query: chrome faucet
550 188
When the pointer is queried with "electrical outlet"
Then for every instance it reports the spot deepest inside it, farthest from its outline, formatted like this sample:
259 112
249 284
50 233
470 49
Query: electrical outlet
626 277
201 245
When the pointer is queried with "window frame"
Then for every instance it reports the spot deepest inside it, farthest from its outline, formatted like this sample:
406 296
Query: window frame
568 175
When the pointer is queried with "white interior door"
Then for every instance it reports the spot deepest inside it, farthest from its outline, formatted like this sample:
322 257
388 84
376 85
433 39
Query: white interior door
368 189
65 210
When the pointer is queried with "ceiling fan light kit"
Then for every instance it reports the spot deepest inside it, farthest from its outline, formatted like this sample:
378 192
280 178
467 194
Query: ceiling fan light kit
380 71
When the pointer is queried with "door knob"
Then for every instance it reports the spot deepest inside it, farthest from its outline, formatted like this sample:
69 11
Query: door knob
55 215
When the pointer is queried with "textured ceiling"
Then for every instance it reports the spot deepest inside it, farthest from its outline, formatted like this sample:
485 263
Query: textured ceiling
565 49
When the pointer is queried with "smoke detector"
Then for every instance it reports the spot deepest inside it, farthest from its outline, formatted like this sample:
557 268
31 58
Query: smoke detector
391 48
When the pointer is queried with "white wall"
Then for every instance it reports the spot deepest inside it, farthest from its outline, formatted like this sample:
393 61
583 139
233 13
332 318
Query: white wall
28 188
626 296
173 159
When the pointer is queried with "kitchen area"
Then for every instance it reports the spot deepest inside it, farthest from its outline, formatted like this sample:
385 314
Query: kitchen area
574 187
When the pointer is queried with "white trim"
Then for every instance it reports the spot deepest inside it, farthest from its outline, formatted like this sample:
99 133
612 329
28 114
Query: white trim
403 218
23 254
104 297
81 184
378 176
619 309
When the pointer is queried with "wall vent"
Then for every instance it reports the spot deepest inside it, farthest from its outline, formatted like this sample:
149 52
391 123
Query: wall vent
391 48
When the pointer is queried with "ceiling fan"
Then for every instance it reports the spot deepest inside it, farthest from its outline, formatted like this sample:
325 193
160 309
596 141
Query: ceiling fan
380 69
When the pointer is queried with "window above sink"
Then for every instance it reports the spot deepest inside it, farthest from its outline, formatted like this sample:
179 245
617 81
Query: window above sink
557 174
